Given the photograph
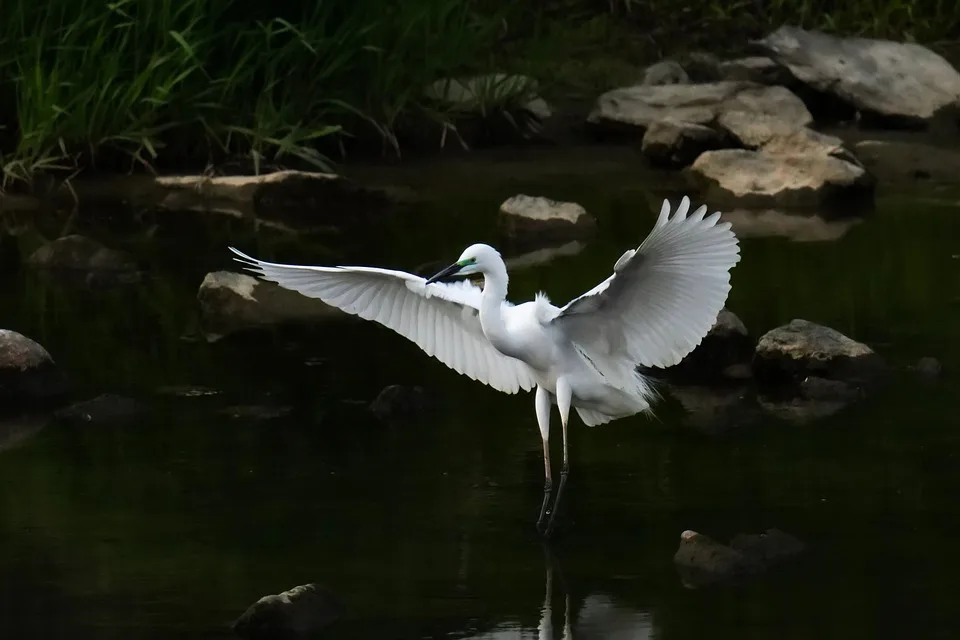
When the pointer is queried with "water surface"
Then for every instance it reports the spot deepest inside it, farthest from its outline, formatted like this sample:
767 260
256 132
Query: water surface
171 526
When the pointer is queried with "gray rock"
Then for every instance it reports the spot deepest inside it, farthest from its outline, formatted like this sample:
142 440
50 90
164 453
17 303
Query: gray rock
741 177
759 69
801 348
800 411
817 388
672 143
640 106
28 374
536 220
904 81
87 258
703 561
106 409
776 136
664 72
299 612
896 161
231 302
728 343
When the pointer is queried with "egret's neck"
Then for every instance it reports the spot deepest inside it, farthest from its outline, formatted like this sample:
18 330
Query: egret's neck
491 307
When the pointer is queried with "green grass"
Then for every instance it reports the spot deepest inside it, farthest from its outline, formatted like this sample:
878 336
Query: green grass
198 84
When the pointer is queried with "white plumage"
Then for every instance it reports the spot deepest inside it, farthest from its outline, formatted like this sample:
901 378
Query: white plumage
660 302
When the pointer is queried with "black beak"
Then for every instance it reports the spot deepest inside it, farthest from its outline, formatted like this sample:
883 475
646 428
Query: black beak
446 273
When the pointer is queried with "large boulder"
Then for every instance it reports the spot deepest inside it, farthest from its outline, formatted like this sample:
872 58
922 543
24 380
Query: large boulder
28 374
770 178
702 560
232 302
802 349
901 82
533 221
634 109
301 612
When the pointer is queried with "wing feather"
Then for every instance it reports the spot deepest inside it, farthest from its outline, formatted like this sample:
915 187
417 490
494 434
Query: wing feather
441 318
664 297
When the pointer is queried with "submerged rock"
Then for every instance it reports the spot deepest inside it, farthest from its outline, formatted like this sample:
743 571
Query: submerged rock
232 302
727 344
299 612
672 143
256 412
764 179
397 403
28 374
903 82
703 561
638 107
537 220
799 349
540 257
102 410
77 255
928 367
891 160
797 227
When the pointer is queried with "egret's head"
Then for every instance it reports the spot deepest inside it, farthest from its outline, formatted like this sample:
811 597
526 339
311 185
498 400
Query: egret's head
477 258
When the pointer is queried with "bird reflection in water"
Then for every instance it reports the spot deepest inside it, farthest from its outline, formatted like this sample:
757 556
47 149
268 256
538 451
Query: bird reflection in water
597 617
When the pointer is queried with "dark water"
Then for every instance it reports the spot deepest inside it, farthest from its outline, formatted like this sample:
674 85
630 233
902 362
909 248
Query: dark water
170 527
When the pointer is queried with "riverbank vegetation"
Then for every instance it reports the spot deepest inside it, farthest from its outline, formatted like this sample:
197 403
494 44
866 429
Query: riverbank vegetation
129 85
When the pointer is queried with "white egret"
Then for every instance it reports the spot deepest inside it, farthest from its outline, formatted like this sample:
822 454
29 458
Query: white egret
660 302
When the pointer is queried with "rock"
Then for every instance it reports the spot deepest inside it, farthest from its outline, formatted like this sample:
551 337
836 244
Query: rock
299 612
901 82
398 403
79 256
664 72
28 374
759 69
105 409
231 302
703 561
286 200
672 143
80 253
928 368
636 108
760 179
256 412
726 344
188 391
800 348
775 136
535 220
892 161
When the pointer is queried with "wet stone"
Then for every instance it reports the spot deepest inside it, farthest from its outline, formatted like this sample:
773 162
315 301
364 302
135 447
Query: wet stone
28 374
106 409
300 612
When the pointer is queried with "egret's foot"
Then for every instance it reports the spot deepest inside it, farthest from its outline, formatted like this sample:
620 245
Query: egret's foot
556 503
541 521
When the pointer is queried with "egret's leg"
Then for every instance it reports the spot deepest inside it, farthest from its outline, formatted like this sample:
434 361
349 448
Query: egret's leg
564 398
543 421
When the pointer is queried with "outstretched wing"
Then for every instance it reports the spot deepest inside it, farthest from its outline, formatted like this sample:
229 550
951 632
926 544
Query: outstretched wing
442 319
663 297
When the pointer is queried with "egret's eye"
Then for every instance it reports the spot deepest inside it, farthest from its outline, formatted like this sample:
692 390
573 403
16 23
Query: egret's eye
467 261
